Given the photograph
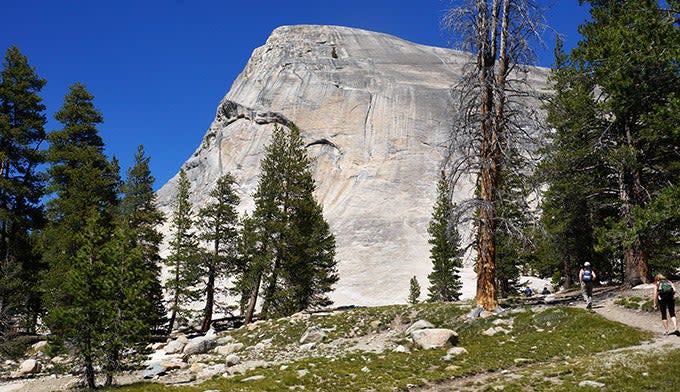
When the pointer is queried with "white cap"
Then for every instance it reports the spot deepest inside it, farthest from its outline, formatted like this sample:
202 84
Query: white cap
586 264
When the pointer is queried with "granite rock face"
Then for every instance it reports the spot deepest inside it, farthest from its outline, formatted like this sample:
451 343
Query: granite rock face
375 111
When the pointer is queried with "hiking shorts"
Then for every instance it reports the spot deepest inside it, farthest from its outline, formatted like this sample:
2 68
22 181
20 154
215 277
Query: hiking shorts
667 303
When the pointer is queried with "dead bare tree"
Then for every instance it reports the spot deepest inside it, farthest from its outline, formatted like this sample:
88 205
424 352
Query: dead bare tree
498 116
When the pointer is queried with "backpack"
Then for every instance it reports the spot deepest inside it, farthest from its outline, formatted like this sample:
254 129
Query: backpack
587 275
665 289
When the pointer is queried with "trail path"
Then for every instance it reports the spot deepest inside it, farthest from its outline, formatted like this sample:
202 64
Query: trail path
604 306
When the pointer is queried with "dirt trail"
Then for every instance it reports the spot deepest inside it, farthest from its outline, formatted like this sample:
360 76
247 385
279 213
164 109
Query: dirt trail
604 306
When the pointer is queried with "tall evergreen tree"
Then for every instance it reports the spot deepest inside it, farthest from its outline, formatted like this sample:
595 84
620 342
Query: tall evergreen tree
217 226
627 65
84 186
141 217
445 253
22 122
295 249
496 110
183 261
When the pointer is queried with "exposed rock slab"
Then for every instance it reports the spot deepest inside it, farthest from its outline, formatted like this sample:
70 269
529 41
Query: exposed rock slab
375 111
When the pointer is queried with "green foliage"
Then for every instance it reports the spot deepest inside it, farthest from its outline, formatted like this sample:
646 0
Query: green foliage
445 252
22 122
292 249
615 116
217 225
84 184
139 238
413 291
184 258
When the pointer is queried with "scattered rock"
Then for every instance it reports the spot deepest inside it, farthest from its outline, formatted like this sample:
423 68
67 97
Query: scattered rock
176 346
232 359
196 368
154 371
456 351
401 349
29 366
590 383
495 330
420 324
434 337
302 372
199 345
39 347
171 364
365 369
229 349
453 352
308 346
313 334
253 378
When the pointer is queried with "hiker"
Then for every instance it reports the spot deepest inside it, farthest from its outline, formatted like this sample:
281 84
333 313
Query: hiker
545 290
528 291
587 276
664 298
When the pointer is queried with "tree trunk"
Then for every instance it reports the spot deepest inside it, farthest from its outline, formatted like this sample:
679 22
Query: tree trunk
270 290
566 272
89 367
209 300
635 265
489 150
255 291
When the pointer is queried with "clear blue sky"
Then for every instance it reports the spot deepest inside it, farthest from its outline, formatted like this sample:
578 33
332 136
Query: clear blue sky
158 69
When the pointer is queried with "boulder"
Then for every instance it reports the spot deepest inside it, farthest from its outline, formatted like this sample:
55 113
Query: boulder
29 366
232 359
313 334
434 337
39 347
229 348
176 346
401 349
200 345
154 370
420 324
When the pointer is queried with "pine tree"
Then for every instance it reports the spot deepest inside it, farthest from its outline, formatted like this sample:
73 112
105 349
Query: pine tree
22 122
295 263
84 186
141 217
626 72
414 291
445 253
183 261
218 228
496 110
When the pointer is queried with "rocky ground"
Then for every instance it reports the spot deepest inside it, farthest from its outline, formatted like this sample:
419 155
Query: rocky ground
184 360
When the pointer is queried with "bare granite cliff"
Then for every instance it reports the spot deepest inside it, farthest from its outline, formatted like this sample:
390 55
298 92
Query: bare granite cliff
375 111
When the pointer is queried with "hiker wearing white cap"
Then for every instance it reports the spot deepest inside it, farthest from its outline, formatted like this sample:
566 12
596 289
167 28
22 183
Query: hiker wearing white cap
587 276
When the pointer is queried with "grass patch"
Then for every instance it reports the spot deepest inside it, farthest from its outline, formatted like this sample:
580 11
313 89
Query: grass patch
554 335
621 372
636 303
